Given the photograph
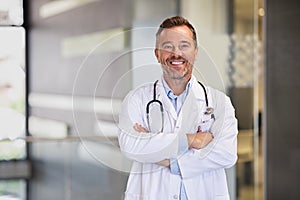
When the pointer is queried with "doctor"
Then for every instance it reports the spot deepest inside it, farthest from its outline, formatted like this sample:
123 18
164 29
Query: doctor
182 140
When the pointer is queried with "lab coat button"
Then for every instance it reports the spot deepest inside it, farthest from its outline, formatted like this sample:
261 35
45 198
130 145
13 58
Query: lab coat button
175 196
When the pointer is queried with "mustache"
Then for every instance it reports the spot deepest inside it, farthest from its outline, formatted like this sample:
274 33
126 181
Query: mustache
177 58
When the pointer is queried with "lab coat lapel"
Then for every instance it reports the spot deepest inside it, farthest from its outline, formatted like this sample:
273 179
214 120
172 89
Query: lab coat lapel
168 107
193 107
190 114
199 96
197 90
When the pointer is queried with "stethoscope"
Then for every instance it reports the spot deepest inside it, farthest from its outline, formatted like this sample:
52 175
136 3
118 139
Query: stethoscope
208 111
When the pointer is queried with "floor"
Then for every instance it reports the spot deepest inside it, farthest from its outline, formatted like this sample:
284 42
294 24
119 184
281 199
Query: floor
248 188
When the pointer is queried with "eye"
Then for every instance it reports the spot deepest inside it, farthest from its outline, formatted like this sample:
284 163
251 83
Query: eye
167 47
185 46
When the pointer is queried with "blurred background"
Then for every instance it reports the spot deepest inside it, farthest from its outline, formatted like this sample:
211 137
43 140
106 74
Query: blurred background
66 65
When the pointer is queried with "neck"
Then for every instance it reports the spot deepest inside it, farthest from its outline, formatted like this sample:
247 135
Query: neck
177 85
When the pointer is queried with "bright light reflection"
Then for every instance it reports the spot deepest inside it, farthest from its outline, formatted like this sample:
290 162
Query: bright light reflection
11 12
12 83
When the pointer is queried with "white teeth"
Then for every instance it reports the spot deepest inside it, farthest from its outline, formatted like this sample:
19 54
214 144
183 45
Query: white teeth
177 63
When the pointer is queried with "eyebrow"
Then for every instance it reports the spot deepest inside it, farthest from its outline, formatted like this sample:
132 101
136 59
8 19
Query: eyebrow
182 41
167 42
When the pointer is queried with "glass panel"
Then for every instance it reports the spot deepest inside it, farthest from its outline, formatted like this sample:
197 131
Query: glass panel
13 189
11 12
230 59
246 75
12 93
71 171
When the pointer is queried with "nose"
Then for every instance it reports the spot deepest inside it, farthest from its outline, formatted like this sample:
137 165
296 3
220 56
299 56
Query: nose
177 52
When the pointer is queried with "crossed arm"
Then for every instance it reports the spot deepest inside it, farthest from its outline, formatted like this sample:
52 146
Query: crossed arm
140 145
196 140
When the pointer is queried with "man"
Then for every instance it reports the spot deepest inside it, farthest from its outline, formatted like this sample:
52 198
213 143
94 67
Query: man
180 134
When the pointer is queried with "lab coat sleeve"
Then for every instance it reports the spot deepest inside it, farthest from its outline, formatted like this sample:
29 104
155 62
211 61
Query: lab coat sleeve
143 147
221 152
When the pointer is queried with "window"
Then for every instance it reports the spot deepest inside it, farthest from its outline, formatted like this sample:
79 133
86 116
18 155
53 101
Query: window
12 101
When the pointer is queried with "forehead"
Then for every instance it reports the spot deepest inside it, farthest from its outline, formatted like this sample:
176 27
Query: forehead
176 33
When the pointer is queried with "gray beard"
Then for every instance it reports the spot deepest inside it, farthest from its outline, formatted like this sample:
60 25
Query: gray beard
176 76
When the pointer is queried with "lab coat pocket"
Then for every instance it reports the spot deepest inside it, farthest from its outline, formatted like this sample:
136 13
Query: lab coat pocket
132 196
206 123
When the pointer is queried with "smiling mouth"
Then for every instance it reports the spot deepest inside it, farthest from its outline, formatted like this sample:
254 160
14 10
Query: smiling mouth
177 62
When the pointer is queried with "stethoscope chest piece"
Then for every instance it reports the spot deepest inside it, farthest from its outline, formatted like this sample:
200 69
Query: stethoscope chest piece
209 111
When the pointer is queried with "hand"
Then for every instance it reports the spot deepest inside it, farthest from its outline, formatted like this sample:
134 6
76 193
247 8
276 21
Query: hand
200 139
139 128
165 162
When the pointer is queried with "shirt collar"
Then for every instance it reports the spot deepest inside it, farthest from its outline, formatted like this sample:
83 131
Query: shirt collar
169 91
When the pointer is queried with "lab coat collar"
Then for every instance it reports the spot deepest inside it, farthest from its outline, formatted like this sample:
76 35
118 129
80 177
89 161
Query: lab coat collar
194 86
162 96
197 89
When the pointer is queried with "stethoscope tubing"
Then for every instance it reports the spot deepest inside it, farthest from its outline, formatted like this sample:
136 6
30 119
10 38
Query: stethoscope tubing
209 110
154 100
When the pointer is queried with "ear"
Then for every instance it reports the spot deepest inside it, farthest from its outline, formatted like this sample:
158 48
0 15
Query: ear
196 53
156 52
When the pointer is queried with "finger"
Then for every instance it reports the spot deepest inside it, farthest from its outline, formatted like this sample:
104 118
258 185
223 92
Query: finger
135 126
139 128
209 137
144 129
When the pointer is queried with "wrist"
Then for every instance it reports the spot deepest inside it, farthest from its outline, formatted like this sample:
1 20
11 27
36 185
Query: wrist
190 138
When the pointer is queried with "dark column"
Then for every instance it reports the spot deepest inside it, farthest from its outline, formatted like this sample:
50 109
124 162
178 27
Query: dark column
282 100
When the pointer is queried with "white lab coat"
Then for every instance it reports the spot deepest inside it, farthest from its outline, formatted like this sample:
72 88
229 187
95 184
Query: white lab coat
202 171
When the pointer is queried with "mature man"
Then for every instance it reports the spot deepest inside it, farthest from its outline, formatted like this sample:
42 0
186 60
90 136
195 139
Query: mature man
180 133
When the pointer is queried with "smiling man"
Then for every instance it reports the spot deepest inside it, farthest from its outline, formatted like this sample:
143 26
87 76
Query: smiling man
176 50
180 134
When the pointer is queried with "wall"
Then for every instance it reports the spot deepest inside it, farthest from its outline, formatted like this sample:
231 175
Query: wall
147 18
72 65
212 23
